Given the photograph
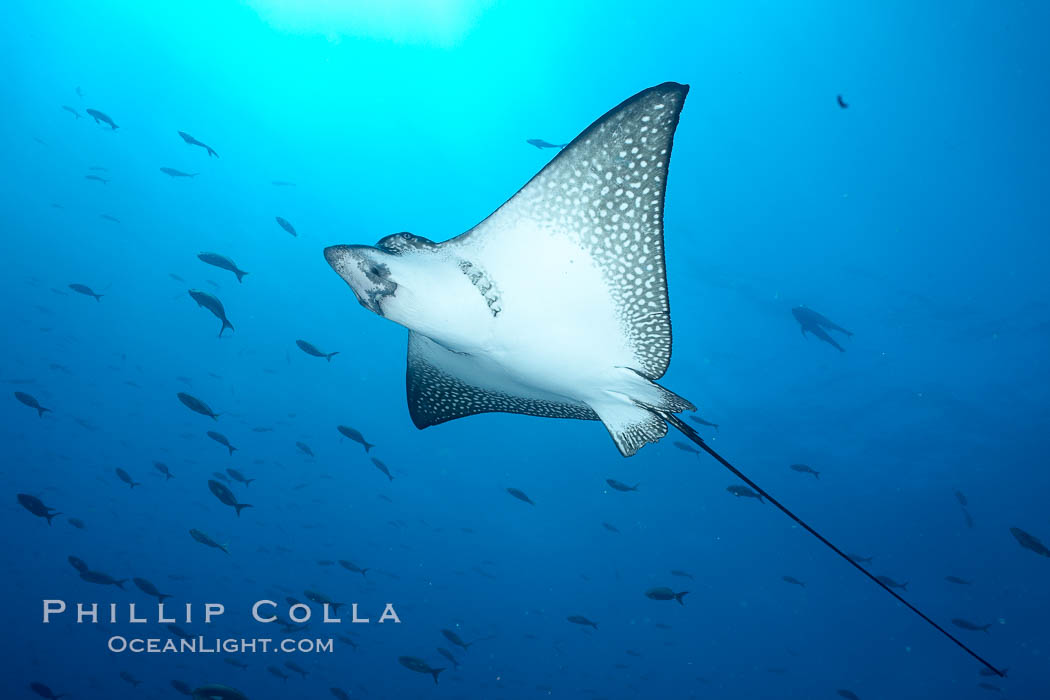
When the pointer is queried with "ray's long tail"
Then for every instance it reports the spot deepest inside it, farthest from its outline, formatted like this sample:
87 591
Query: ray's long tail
675 421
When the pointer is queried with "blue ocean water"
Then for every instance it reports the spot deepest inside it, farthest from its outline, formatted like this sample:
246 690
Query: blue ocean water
915 217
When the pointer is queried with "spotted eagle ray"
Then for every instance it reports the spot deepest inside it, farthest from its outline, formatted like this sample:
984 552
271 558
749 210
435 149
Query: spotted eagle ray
555 305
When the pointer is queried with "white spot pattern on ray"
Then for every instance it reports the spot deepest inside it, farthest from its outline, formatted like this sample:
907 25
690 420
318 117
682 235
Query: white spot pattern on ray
605 192
436 395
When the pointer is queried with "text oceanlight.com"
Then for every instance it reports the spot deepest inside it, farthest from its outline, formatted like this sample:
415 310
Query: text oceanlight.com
200 645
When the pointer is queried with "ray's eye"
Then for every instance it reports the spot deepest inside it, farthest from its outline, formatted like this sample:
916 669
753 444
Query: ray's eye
401 243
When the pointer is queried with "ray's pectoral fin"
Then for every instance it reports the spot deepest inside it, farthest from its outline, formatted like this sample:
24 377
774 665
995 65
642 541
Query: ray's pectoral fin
444 385
601 198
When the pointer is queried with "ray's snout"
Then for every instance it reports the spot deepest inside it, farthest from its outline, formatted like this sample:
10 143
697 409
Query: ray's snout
341 257
362 268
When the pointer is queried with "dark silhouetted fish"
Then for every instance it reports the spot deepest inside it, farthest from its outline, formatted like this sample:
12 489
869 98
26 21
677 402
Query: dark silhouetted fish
205 539
339 693
78 564
809 320
163 469
102 579
30 400
84 423
680 573
194 142
71 111
448 655
686 447
304 448
745 492
149 589
212 304
222 440
355 436
455 639
607 526
126 478
1029 542
382 467
85 290
35 506
967 518
967 625
541 144
841 102
581 620
418 665
887 581
277 672
172 172
107 217
101 118
956 579
283 223
221 261
665 593
77 523
351 566
520 495
620 486
237 476
223 493
182 687
700 421
805 469
848 694
960 497
197 406
45 692
793 580
311 349
322 599
859 559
